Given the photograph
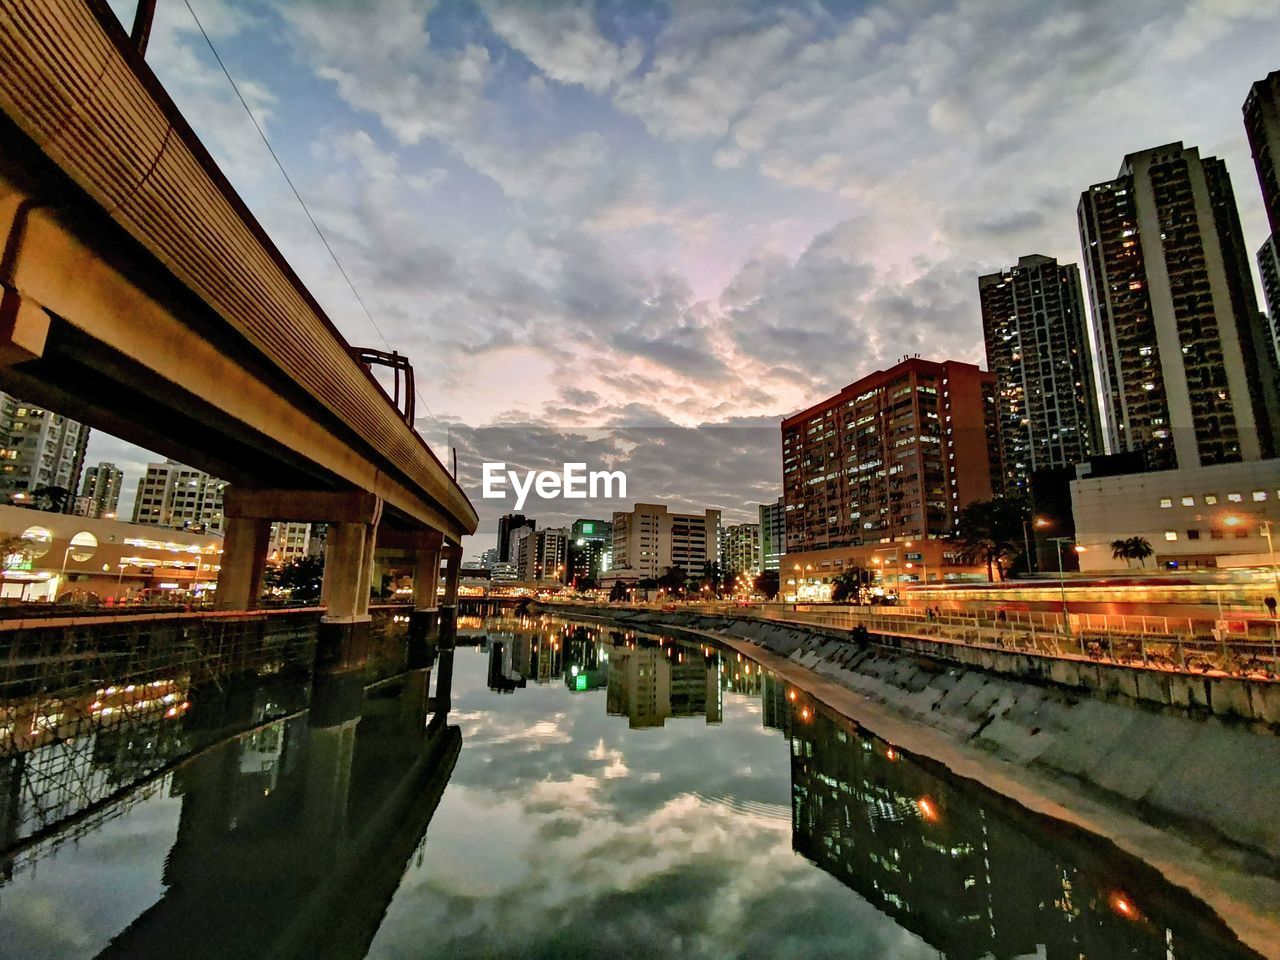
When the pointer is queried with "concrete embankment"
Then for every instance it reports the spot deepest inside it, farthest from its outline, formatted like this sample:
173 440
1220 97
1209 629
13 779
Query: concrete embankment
1213 778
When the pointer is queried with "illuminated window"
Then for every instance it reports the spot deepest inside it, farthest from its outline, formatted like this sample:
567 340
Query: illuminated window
1259 496
1188 501
1165 503
1171 534
1210 499
1234 497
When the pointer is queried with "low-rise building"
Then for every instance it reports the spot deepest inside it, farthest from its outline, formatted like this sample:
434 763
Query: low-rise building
1193 519
47 556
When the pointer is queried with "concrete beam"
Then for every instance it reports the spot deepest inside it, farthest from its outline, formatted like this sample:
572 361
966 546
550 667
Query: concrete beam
24 328
244 558
302 506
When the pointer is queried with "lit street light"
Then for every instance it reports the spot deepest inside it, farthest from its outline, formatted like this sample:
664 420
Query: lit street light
1062 581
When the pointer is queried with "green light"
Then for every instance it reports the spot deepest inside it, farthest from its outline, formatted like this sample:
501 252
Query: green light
580 682
588 528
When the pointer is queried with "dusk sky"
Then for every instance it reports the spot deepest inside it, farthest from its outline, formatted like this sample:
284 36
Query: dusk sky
580 216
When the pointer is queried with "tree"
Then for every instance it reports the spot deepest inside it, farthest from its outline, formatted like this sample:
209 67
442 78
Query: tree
768 584
50 499
673 579
618 592
1132 548
299 579
848 586
713 575
586 583
991 532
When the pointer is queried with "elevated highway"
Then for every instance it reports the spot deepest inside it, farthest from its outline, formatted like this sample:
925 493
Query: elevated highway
141 296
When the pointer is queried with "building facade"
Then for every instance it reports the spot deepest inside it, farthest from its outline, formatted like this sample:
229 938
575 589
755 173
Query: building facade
590 549
648 539
1262 124
39 450
740 549
101 490
1185 361
540 555
1037 340
1196 518
773 535
1269 270
893 456
180 497
50 555
508 524
290 541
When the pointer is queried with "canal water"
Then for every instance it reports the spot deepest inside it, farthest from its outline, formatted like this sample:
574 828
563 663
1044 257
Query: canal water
547 789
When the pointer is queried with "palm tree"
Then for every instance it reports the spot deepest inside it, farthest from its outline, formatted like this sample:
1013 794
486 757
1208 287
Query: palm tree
990 531
1132 548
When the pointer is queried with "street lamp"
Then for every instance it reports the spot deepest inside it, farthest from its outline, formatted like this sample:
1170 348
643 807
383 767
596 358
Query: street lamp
1265 527
1040 523
1062 580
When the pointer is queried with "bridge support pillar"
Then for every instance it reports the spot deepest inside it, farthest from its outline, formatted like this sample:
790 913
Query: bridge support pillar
343 642
244 556
425 618
449 604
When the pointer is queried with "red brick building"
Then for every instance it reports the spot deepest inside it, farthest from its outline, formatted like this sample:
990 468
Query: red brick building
891 458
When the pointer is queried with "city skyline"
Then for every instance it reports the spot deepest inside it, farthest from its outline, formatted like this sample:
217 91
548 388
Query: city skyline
660 258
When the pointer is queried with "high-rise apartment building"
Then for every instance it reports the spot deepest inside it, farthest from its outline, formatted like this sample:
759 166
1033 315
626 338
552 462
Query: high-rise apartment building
773 535
39 450
1262 124
590 549
290 541
1035 327
648 539
508 524
740 549
1269 269
101 490
1185 361
173 495
540 554
891 457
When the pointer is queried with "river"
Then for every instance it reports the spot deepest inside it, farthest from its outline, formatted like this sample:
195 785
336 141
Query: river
548 789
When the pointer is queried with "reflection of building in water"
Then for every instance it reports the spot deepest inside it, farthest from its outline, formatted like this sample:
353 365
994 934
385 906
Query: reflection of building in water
966 878
651 681
292 841
503 677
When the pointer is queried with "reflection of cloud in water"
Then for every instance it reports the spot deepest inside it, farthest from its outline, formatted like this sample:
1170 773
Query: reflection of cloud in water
601 841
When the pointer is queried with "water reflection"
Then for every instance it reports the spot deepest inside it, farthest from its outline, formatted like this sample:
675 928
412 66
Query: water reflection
620 795
291 838
973 875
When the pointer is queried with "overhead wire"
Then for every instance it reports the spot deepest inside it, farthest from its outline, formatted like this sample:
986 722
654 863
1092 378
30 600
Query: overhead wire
298 196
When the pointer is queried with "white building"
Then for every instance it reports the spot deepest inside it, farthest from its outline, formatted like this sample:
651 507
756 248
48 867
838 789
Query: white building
289 542
1194 519
172 495
773 535
648 539
38 449
540 554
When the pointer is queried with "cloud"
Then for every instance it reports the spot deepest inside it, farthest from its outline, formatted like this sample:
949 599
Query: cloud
562 40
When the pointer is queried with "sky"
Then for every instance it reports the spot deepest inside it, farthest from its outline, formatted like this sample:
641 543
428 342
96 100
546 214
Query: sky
638 234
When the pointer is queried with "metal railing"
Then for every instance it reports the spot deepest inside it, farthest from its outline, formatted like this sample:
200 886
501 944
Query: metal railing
1239 648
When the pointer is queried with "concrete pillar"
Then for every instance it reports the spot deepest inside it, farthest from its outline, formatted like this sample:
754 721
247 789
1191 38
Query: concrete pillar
244 557
449 604
424 619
